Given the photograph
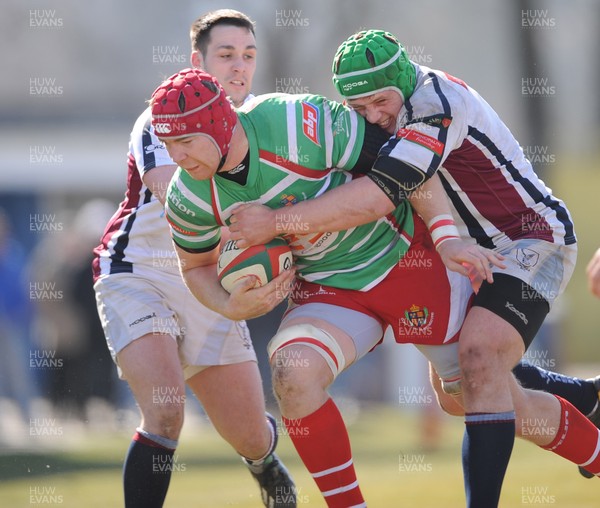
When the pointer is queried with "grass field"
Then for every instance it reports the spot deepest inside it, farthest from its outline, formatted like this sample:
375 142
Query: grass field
393 471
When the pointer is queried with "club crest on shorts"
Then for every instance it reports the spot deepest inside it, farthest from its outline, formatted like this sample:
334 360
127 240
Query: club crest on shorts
417 316
527 258
415 325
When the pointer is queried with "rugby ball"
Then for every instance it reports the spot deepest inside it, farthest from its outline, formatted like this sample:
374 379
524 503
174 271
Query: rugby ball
263 261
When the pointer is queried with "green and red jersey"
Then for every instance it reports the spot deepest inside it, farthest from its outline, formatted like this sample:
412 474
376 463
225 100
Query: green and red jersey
300 146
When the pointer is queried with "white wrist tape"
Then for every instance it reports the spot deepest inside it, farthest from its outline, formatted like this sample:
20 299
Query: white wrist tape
442 228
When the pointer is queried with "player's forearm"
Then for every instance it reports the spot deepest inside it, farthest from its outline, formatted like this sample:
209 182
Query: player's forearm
199 272
431 203
203 284
353 204
246 301
430 200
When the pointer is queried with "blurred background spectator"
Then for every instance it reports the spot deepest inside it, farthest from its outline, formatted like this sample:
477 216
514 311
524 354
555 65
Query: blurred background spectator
67 330
16 382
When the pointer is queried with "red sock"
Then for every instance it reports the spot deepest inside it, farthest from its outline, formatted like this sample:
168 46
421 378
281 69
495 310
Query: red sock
577 439
321 440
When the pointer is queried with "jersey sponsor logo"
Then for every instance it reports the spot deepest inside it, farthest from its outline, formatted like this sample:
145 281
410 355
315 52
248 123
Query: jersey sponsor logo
179 229
310 122
183 231
435 145
176 202
162 128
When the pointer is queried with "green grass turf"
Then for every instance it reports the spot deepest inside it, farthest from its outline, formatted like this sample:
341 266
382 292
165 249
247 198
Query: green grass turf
392 469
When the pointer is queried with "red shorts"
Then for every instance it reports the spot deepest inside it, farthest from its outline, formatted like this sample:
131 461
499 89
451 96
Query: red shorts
422 301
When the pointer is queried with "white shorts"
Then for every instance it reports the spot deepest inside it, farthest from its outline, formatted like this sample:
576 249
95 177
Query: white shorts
546 267
131 306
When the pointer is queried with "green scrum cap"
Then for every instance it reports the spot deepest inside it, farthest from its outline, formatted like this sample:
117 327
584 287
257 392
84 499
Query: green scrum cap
372 61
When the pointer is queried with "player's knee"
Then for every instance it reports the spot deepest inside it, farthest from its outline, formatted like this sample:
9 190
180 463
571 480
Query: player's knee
476 358
165 419
486 361
488 349
299 348
289 381
252 444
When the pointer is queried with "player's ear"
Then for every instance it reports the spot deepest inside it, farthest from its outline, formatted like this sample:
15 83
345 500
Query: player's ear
196 59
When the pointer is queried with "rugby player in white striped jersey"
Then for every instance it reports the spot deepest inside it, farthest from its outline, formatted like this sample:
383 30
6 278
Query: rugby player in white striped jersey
440 126
160 337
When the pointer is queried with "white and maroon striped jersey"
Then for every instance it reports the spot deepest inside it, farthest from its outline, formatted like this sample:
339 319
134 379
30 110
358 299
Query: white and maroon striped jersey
496 196
138 234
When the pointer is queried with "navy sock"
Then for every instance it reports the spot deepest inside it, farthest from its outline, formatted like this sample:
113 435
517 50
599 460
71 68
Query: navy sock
146 473
487 445
579 392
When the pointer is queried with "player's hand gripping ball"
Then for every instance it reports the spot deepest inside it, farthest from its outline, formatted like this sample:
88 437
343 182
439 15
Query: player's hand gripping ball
263 261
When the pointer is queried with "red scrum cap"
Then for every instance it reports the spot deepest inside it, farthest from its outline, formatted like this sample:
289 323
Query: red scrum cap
192 103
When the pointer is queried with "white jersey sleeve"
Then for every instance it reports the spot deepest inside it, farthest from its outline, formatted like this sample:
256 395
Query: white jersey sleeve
447 127
145 147
432 125
137 237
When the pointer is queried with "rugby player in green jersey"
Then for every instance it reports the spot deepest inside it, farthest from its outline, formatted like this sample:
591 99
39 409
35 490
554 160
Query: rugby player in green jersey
276 150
